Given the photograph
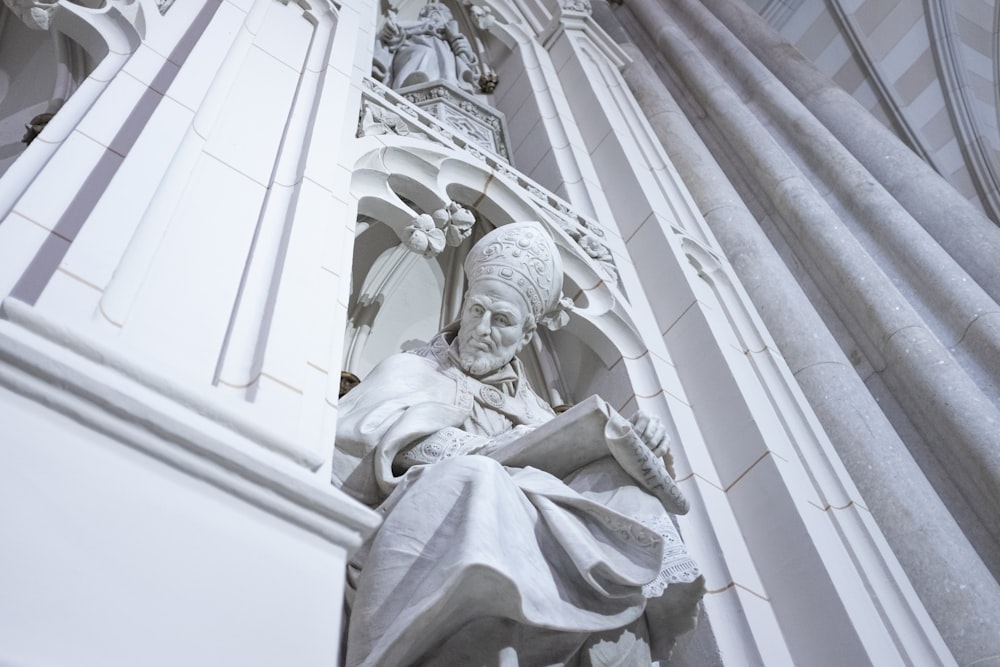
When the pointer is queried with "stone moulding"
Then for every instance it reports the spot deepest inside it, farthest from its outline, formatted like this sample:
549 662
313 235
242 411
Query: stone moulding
65 373
386 112
108 362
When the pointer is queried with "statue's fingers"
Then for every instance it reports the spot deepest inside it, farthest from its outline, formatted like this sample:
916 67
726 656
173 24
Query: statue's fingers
656 430
654 433
662 446
640 422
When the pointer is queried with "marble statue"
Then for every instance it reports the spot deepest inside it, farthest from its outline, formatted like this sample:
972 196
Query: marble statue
431 48
511 536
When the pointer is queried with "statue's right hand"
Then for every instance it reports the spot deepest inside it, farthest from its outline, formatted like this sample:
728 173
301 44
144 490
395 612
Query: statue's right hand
390 30
652 431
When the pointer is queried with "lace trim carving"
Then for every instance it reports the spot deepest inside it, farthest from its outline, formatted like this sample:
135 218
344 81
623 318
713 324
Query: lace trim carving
677 567
445 444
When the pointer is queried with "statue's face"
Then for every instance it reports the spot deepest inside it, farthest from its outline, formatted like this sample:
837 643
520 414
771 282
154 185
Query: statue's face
436 13
493 326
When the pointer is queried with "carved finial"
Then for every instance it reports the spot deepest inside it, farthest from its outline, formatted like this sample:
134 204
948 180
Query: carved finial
488 81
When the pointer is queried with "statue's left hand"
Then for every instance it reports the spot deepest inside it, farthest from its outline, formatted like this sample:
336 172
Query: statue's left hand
652 431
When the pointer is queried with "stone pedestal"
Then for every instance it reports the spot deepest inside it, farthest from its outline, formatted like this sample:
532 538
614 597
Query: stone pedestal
483 125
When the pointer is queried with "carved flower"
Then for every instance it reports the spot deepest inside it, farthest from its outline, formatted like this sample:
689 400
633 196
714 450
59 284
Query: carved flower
422 237
594 248
456 222
558 317
483 16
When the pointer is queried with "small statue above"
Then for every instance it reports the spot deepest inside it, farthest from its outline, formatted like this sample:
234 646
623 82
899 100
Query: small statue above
431 48
511 535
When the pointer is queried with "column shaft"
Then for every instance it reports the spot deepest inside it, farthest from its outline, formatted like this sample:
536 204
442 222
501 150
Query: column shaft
971 238
932 387
879 463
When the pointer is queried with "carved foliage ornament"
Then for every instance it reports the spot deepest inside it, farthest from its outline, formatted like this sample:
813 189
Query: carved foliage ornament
428 235
581 6
376 120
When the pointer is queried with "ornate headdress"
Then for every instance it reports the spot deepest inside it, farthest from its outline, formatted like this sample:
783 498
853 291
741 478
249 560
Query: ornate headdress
524 255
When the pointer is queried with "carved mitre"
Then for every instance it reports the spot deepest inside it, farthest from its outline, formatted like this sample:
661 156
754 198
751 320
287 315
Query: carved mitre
524 255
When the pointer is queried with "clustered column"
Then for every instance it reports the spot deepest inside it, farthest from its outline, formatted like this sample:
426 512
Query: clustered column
944 568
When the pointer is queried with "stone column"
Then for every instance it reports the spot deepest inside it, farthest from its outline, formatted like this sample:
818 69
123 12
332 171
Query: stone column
944 568
956 309
972 239
950 304
934 390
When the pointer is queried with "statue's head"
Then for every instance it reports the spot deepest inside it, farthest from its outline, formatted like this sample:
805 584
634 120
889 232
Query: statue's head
515 281
436 13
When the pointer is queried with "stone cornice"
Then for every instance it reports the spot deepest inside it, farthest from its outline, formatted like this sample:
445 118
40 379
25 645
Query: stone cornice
103 392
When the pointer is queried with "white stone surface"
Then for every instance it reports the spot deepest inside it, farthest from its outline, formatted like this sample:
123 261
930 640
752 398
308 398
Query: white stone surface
229 118
141 531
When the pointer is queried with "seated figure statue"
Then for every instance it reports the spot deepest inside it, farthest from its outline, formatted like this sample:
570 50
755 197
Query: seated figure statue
479 562
430 48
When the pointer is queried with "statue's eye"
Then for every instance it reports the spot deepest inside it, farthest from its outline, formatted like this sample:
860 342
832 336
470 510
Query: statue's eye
476 309
501 320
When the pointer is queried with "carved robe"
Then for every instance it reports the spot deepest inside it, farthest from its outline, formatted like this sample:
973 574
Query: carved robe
421 51
477 563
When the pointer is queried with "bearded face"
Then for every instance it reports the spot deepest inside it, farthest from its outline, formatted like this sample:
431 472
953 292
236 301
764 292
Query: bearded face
493 328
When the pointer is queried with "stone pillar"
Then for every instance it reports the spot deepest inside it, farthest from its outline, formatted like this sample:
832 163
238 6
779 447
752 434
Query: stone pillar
951 306
935 391
945 570
972 239
956 309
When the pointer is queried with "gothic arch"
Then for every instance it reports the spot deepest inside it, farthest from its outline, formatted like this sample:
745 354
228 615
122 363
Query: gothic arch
583 357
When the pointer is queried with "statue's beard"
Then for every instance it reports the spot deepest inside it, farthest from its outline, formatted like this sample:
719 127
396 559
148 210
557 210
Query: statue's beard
481 362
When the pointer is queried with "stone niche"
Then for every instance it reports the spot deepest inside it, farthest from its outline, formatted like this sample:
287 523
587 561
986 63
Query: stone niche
482 124
39 70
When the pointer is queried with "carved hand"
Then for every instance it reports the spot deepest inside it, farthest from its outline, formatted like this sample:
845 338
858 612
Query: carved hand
459 43
652 431
391 33
451 30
